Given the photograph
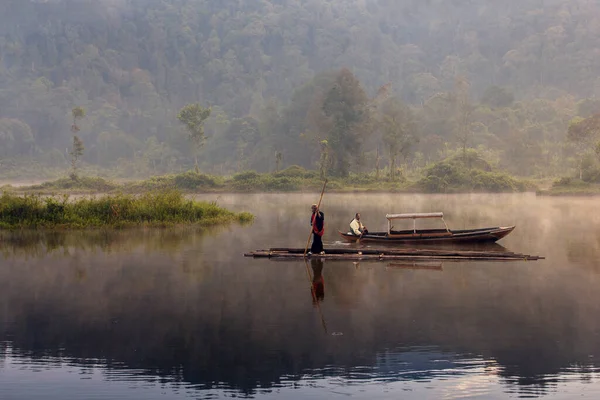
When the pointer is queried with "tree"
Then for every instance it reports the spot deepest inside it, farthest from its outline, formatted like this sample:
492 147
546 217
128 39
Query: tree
588 107
377 163
346 105
584 133
423 85
193 117
15 138
497 97
77 150
76 153
398 130
278 160
78 113
324 159
463 110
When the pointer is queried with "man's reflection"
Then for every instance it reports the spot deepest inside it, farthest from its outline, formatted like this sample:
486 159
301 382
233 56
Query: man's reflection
318 283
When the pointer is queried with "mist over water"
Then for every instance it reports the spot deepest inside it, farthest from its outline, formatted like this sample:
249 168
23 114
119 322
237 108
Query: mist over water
182 314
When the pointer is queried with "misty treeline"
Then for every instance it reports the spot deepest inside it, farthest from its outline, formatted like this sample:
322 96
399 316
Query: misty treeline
340 86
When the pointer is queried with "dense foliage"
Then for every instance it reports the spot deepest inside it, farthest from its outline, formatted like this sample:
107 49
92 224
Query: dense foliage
298 82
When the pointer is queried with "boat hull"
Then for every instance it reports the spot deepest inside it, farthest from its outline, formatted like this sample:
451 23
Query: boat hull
434 236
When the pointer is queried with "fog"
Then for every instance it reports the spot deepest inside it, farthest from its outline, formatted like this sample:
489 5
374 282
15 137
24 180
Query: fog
505 79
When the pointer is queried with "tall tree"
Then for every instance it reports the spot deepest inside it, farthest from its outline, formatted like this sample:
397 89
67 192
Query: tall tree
324 159
76 153
463 110
193 117
78 113
585 133
278 160
398 129
346 105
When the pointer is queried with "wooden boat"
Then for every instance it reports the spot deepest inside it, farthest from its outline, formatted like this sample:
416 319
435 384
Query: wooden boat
428 235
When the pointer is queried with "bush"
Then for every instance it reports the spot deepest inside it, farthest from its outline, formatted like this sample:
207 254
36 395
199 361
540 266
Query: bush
248 181
568 182
282 184
246 176
295 171
591 175
452 175
495 182
363 179
192 180
82 183
564 181
187 181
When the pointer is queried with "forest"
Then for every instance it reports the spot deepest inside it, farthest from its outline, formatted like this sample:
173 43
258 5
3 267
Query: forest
346 88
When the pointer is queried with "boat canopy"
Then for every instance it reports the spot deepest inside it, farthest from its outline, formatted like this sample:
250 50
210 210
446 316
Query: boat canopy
415 215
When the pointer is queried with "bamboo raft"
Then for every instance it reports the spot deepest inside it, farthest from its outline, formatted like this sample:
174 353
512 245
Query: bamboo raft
371 254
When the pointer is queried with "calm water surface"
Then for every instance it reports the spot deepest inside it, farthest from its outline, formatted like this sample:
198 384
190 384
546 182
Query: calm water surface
181 314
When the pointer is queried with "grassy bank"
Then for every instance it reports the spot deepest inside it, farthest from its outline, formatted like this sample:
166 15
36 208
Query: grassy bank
444 177
152 209
571 187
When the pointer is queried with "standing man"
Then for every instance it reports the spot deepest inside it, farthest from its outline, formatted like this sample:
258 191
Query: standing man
317 222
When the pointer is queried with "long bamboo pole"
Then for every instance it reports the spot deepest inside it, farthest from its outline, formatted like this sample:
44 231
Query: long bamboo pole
311 228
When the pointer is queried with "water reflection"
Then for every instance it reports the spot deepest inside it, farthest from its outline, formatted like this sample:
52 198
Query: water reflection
318 283
184 310
39 243
435 266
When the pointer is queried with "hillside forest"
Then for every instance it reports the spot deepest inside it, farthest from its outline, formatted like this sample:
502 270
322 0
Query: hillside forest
342 87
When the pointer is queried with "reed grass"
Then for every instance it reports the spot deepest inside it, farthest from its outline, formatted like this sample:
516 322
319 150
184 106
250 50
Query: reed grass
155 209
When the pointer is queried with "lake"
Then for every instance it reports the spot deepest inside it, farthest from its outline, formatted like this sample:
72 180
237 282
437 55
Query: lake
181 314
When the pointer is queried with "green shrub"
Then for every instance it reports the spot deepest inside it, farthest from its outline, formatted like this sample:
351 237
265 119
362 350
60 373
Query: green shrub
79 183
434 184
248 181
192 180
591 175
567 184
246 176
564 181
452 175
295 171
494 182
186 181
372 180
362 179
281 184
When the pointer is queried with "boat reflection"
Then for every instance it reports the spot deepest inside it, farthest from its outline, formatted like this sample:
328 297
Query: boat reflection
435 246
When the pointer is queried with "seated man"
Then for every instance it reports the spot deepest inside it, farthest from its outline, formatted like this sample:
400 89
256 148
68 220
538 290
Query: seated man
356 227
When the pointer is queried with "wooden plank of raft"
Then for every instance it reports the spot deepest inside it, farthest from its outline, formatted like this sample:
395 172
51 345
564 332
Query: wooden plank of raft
382 257
403 252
